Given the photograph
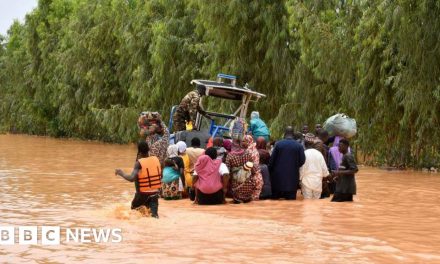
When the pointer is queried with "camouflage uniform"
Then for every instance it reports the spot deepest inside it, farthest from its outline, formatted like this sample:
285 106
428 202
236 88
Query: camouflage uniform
186 111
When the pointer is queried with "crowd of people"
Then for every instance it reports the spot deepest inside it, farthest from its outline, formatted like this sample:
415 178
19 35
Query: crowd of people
244 168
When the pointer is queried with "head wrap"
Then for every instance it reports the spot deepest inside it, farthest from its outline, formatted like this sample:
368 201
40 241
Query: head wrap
172 151
237 149
249 140
208 172
181 146
227 144
252 149
255 114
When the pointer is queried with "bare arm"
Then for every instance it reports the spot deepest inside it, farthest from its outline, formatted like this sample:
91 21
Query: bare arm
129 177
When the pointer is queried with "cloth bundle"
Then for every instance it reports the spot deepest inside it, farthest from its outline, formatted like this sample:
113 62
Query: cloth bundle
241 174
340 125
150 123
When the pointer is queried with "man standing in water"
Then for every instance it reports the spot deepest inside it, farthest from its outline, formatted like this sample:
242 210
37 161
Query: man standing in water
188 108
345 181
147 176
287 157
313 171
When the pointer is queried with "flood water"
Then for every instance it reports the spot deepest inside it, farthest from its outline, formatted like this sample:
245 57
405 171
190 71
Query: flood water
70 183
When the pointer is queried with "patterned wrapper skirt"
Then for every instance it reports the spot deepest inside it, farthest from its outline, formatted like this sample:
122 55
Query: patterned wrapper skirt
172 190
242 192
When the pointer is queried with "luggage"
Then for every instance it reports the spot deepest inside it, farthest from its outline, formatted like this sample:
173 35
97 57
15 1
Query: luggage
340 125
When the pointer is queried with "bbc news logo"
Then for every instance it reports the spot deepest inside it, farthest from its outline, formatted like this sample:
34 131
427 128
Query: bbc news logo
52 235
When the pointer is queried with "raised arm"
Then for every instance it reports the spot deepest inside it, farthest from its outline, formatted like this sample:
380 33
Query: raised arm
130 177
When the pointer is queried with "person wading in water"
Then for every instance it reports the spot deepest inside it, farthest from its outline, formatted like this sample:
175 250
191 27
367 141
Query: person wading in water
345 181
287 157
147 176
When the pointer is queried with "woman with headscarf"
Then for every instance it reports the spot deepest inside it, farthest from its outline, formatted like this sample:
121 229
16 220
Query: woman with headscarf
227 144
187 168
257 127
172 190
158 142
242 188
252 149
210 178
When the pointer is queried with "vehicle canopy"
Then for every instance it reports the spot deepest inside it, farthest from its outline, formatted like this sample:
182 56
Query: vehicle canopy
228 90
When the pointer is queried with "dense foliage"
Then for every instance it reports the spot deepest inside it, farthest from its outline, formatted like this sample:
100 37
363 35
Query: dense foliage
86 68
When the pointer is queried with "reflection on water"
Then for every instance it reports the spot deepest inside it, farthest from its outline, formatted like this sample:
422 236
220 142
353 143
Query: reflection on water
69 183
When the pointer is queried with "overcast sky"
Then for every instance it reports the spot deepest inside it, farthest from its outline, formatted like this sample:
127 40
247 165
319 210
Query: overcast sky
14 9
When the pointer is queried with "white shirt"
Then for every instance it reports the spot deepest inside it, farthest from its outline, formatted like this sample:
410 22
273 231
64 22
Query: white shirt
313 170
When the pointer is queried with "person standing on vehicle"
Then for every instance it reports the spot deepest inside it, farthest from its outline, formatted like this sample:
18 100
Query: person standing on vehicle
258 128
146 175
187 110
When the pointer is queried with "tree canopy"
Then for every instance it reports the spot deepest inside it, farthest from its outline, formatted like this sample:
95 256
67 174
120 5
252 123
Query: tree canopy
86 68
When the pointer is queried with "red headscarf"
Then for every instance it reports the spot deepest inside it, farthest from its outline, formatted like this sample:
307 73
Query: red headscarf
227 144
252 149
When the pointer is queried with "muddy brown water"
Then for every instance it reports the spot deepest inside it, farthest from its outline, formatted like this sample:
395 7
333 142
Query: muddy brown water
70 183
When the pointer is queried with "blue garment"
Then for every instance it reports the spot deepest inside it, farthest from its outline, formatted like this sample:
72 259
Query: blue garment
259 128
287 157
169 174
266 191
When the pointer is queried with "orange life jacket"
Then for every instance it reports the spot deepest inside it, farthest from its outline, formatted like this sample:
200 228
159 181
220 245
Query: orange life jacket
150 175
